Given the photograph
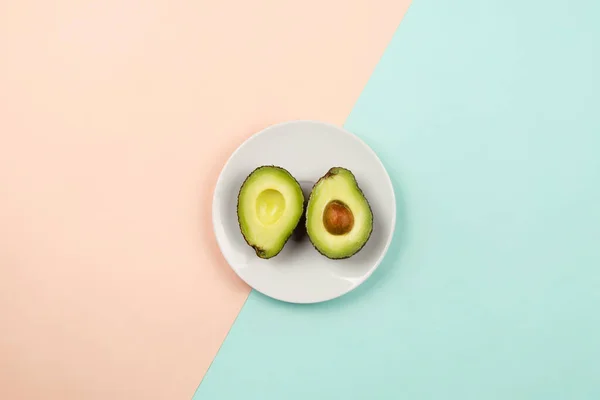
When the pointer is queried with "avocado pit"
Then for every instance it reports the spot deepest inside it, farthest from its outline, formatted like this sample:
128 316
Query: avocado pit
338 218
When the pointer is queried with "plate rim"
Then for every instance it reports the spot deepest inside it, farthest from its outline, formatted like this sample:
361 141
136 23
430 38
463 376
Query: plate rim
219 183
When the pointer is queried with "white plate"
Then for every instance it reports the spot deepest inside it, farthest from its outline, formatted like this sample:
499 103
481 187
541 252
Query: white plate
307 149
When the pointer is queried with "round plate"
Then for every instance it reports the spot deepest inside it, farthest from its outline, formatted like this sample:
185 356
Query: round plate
307 149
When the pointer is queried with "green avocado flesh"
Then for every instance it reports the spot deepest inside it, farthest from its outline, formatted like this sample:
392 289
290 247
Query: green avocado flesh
339 220
270 204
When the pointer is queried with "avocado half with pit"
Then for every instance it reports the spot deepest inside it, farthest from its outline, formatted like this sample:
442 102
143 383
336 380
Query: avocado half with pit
270 205
339 220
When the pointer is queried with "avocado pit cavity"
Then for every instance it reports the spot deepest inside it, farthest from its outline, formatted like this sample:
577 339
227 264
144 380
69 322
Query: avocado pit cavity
270 205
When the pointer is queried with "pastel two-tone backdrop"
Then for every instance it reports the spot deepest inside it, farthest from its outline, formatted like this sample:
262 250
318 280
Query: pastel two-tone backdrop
116 117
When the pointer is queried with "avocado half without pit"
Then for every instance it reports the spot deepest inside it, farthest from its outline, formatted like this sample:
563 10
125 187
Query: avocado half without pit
269 207
339 220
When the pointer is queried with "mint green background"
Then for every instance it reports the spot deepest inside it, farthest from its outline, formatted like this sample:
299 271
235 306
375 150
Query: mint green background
487 116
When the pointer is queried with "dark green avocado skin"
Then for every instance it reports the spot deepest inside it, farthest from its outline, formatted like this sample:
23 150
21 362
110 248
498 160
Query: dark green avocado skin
332 172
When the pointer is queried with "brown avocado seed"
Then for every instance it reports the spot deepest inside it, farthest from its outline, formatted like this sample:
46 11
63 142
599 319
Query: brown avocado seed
338 218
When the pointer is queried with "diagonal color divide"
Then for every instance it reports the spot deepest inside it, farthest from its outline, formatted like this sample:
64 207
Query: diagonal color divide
485 114
115 119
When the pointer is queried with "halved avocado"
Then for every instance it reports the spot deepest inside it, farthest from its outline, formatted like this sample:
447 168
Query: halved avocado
339 220
270 204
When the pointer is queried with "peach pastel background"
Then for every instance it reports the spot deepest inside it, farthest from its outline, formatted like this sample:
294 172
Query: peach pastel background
115 119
